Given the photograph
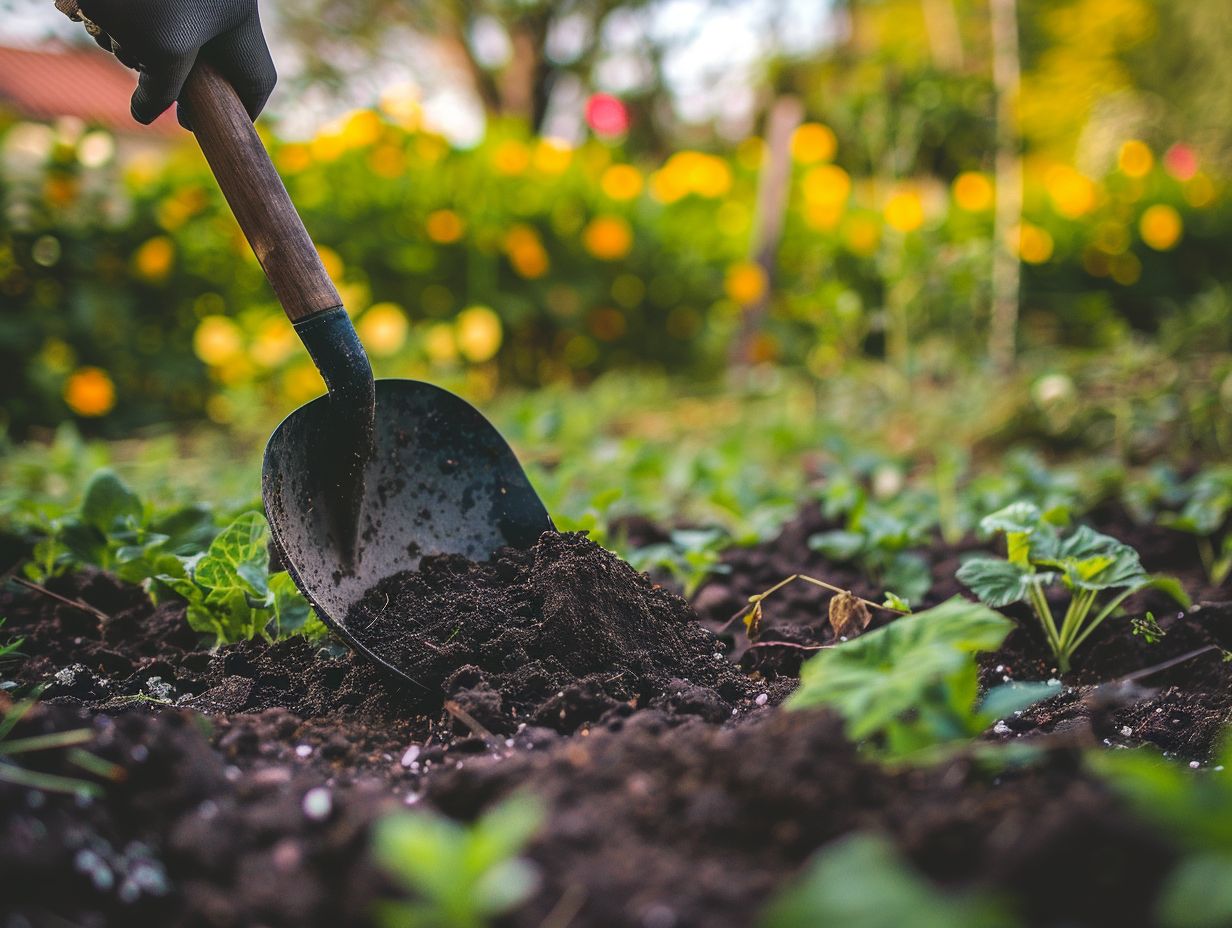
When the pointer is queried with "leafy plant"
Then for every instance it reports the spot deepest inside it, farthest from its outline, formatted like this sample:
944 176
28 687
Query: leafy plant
1195 808
231 593
460 876
912 687
862 882
878 538
1204 514
690 556
1085 562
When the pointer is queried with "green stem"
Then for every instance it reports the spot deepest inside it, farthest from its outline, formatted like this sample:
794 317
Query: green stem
1103 614
1079 608
49 782
58 739
1039 602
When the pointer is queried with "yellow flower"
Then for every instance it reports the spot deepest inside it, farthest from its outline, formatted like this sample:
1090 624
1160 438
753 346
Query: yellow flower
904 211
361 129
621 182
388 161
302 382
478 334
332 262
217 340
745 283
1073 194
526 252
89 392
293 158
608 238
1135 159
813 142
863 235
1034 244
510 157
552 156
153 260
444 226
973 192
1160 227
401 104
274 342
826 185
690 172
382 328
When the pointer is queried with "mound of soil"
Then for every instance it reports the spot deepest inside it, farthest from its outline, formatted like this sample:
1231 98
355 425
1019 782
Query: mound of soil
556 634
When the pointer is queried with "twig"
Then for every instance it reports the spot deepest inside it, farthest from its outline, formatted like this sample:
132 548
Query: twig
473 724
759 597
74 603
790 644
1168 664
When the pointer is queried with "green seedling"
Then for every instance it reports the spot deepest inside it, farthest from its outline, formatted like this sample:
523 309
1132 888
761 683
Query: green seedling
911 689
11 649
459 876
1204 514
1146 628
231 593
690 556
862 882
1089 565
1195 808
13 748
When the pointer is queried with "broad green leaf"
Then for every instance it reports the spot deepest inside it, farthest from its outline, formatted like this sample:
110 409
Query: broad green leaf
291 610
837 545
108 501
862 882
873 679
1023 518
998 583
1005 700
238 558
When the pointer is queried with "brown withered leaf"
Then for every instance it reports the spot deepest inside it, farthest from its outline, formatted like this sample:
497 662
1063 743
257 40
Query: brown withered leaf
848 615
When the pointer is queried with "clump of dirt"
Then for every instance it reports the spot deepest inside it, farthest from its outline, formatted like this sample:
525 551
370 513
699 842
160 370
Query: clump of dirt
556 635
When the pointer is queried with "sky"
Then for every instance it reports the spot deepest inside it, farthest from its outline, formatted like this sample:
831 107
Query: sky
711 73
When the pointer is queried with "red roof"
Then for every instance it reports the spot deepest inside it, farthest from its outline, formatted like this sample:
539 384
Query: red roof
87 83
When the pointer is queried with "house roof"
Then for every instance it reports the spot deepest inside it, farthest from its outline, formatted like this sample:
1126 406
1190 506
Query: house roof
57 80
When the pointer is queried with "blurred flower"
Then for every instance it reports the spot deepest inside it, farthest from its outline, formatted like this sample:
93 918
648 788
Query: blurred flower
388 161
89 392
606 324
361 129
302 382
690 172
176 209
904 211
478 333
95 149
1160 227
1051 389
382 328
607 115
525 251
57 356
401 104
293 158
862 235
552 156
608 238
813 142
973 192
621 182
1135 159
1073 194
1034 243
1125 268
332 261
444 226
274 342
1180 161
1199 191
750 152
745 283
217 340
439 343
510 158
152 261
826 185
60 190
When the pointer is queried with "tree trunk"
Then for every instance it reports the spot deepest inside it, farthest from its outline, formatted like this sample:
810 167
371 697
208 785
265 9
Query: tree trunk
1006 269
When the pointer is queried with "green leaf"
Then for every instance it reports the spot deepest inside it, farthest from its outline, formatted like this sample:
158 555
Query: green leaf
1003 701
894 601
238 559
108 501
910 573
998 583
291 611
838 545
881 675
1021 518
862 882
1198 893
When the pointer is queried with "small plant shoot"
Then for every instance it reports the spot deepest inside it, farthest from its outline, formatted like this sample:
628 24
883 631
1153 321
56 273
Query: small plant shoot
1098 572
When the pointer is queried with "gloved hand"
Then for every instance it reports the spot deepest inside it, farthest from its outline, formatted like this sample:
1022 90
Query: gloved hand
163 38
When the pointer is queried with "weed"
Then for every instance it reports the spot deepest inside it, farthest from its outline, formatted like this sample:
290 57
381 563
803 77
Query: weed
1146 628
459 876
1087 563
11 748
911 688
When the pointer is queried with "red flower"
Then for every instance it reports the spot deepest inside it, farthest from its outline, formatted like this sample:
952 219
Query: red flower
606 115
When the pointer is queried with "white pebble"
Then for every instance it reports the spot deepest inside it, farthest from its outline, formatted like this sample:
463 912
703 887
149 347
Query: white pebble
304 750
762 699
1194 764
318 803
411 755
1126 731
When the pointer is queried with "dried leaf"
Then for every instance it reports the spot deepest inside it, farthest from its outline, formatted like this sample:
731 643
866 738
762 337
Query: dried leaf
848 615
752 620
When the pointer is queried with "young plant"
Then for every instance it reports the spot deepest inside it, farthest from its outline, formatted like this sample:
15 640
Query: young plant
1089 565
690 556
459 876
912 687
1195 808
862 882
231 593
1204 514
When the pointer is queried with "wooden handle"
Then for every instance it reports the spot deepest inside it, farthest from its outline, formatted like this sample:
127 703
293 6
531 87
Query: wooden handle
257 196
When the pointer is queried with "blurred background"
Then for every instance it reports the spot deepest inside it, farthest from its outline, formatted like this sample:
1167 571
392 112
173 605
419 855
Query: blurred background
683 251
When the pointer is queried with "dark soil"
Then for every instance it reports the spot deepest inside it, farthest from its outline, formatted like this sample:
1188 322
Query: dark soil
677 793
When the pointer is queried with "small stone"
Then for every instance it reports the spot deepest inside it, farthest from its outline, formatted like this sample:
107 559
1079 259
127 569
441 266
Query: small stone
318 803
762 699
411 755
303 750
1126 731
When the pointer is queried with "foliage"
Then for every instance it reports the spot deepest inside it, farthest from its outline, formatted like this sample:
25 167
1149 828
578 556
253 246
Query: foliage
459 876
912 686
690 556
1087 563
862 882
1206 501
1195 808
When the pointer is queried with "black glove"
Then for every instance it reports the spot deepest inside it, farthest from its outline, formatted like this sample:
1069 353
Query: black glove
162 39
